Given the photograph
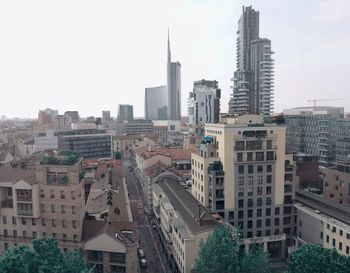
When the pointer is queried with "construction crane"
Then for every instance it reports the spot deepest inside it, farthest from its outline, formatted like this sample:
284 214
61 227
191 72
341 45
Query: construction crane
316 100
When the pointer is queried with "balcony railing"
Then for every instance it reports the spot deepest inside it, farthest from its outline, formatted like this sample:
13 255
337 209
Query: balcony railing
25 212
24 198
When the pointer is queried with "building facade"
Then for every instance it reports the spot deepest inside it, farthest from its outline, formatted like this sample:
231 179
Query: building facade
253 78
204 104
125 112
241 174
156 101
313 130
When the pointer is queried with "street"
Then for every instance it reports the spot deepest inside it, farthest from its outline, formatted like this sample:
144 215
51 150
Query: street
149 238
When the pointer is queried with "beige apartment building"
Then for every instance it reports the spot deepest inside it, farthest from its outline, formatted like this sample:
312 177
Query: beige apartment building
50 202
182 221
241 173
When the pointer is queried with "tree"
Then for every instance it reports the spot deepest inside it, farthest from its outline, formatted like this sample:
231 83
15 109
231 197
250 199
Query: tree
117 155
312 258
45 257
221 253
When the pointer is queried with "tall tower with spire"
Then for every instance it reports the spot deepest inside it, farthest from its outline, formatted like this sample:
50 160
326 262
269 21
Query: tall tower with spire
173 86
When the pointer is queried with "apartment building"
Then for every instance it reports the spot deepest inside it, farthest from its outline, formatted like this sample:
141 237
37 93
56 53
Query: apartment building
182 221
243 174
322 223
47 202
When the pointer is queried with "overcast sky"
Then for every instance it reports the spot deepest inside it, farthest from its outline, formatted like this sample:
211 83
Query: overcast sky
93 55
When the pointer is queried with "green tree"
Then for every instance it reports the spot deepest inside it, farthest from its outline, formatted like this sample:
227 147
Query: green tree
221 253
44 257
117 155
313 258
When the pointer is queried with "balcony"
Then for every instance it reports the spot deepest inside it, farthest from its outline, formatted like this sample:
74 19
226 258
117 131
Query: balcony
8 203
25 212
24 198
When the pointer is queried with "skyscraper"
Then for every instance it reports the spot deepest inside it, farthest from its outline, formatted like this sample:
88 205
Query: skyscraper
204 104
125 112
156 103
253 78
174 87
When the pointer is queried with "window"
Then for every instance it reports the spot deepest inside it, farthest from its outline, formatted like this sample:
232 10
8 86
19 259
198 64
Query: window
277 221
260 179
268 144
4 220
5 233
259 212
348 236
259 202
53 221
250 224
75 224
268 222
240 192
63 196
240 225
63 209
43 222
340 246
64 223
74 209
250 203
269 168
277 211
24 234
239 157
260 168
250 156
33 222
73 195
268 190
54 235
42 206
259 156
52 194
268 212
240 203
250 213
14 220
347 250
259 190
117 258
258 223
270 155
53 210
268 201
24 221
240 214
231 214
241 169
250 180
64 237
241 180
75 238
250 191
250 169
340 232
327 239
268 179
34 234
333 242
15 233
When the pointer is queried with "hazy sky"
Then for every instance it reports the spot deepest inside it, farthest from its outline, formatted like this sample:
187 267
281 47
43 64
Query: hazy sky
93 55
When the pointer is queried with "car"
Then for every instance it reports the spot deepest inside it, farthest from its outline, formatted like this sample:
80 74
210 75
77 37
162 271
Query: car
154 226
141 253
143 263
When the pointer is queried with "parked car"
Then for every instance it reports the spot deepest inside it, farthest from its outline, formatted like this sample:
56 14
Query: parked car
141 253
143 263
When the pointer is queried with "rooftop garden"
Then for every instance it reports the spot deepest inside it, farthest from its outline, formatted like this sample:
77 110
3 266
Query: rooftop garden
65 157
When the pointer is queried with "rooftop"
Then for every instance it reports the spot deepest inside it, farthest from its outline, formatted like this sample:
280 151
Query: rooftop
188 207
61 158
174 153
12 175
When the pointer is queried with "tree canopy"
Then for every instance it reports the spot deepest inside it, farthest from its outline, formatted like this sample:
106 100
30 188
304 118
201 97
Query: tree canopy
221 253
44 257
312 258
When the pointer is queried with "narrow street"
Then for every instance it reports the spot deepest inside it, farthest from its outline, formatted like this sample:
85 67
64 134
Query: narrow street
149 238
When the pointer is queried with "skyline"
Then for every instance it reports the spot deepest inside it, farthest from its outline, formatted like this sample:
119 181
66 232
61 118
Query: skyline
55 51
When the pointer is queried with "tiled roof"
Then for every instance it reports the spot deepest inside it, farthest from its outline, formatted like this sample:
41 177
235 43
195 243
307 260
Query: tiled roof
9 174
173 153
